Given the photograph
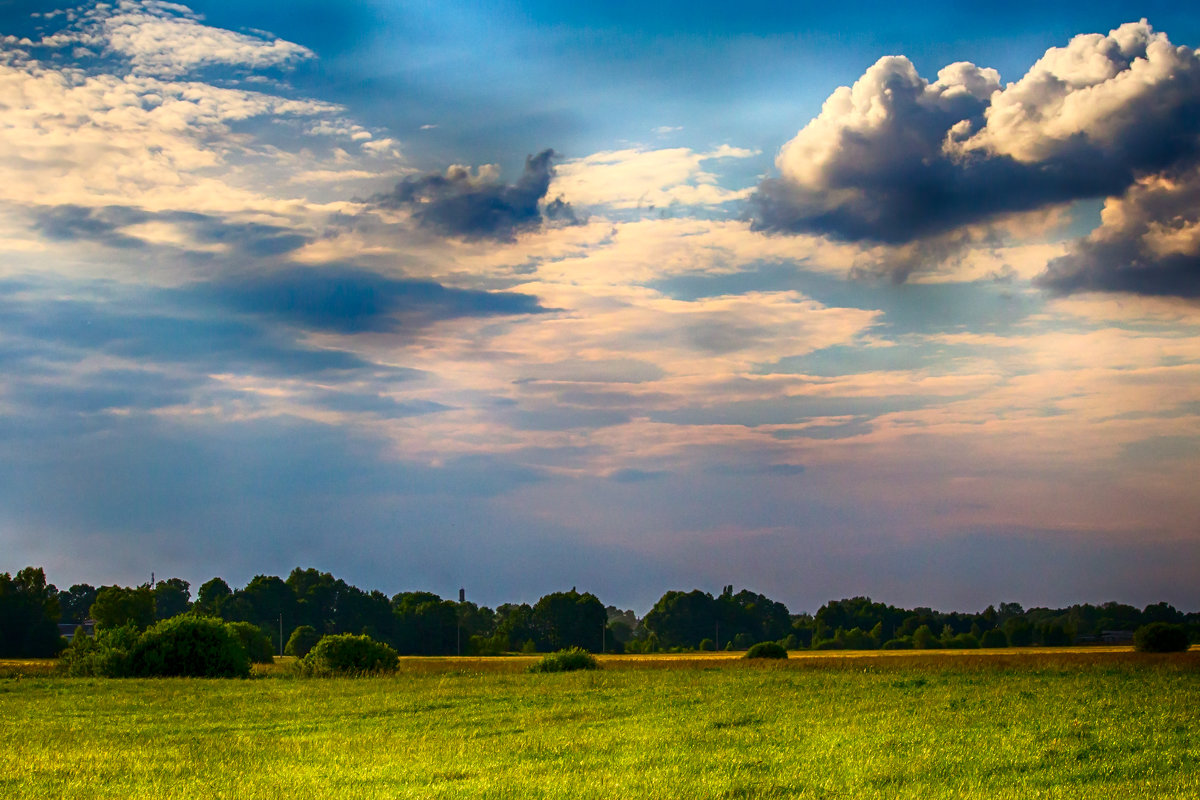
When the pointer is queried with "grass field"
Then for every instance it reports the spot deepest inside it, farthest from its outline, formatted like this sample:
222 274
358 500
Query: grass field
1002 724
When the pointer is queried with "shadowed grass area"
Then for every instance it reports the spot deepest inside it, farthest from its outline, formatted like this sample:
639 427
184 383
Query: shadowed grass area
1017 724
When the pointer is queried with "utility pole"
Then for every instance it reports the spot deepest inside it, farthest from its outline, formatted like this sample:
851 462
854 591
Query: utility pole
281 634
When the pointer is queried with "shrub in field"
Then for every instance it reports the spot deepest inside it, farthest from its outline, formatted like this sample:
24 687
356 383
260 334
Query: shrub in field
707 644
197 647
347 654
993 638
254 641
565 661
1160 637
303 639
903 643
766 650
107 656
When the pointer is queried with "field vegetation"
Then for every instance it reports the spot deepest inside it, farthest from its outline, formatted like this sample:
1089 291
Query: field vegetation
889 724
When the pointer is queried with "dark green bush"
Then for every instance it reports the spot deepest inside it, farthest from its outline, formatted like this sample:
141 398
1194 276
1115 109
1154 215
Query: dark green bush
766 650
567 660
347 654
198 647
994 638
303 639
707 644
255 642
106 656
903 643
1160 637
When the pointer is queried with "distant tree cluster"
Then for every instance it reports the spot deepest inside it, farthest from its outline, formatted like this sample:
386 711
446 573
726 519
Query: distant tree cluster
271 615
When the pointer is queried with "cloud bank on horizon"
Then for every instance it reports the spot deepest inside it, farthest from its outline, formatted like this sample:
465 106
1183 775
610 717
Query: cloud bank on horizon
248 320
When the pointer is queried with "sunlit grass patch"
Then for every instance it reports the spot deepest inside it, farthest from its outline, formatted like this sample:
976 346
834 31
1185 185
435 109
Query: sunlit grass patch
1016 725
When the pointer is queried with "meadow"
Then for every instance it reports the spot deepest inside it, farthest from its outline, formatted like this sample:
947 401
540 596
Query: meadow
1000 724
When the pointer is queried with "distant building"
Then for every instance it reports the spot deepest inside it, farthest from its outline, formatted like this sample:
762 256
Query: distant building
1116 637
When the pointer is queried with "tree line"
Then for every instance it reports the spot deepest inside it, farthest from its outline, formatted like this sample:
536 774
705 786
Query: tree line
294 613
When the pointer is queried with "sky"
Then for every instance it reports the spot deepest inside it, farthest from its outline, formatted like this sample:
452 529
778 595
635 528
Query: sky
819 300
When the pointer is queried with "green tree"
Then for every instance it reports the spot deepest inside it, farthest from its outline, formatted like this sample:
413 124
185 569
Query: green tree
117 606
254 640
424 624
563 620
1019 631
265 601
682 619
317 596
923 638
76 603
993 638
1054 634
172 597
514 625
29 614
213 596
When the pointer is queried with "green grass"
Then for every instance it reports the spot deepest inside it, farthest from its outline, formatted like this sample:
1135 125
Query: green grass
999 725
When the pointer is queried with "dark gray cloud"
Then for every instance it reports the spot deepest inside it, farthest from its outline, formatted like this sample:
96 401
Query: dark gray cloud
897 159
106 225
256 324
478 206
103 391
906 201
1147 244
163 327
50 331
347 300
101 225
631 475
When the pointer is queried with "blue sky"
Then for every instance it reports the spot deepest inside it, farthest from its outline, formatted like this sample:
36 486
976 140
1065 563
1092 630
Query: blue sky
816 300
